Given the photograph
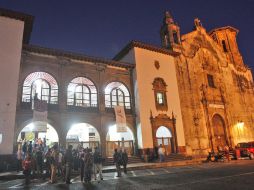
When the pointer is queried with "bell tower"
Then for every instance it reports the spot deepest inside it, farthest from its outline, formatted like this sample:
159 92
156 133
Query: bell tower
226 39
170 33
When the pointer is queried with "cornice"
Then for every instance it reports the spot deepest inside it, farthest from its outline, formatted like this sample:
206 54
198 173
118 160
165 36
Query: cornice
142 45
74 56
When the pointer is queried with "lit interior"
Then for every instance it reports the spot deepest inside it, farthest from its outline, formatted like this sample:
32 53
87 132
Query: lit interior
163 132
82 132
113 135
44 131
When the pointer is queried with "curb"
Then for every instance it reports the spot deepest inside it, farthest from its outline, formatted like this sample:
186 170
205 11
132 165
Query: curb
145 166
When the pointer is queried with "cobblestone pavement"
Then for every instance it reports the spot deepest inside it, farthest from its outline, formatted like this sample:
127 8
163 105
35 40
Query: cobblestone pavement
233 175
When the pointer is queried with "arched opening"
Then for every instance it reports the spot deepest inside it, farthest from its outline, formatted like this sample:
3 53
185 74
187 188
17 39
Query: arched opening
117 94
83 135
39 134
117 140
82 93
218 132
42 86
164 138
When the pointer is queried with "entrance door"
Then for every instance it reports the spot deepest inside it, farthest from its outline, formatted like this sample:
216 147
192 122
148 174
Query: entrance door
164 138
219 133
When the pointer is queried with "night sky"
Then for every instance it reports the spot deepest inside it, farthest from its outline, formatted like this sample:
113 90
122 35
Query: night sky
102 28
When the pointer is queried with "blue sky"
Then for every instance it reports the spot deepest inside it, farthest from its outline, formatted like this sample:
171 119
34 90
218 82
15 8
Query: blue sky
101 28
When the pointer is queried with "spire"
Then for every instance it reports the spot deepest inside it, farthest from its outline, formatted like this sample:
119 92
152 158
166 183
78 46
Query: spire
168 19
170 33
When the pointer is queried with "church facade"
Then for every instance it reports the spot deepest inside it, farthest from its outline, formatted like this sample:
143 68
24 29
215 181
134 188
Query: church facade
191 95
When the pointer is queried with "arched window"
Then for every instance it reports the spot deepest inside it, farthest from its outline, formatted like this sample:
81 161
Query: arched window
82 92
41 84
116 93
159 87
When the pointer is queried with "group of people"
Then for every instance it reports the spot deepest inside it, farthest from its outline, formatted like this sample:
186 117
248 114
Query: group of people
120 158
34 159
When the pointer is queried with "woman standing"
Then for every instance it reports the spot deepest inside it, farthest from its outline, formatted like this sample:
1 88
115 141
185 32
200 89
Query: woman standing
27 166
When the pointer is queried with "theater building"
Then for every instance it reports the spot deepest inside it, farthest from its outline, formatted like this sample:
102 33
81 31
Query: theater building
192 94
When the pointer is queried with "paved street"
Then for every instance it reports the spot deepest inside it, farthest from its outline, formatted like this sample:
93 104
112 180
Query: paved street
233 175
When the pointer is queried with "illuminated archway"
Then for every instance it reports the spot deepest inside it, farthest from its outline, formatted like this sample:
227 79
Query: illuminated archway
83 134
113 135
164 138
163 132
39 132
119 140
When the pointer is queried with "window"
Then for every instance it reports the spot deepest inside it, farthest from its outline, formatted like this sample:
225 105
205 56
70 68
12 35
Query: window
210 81
175 36
42 85
224 46
82 92
160 98
116 94
159 87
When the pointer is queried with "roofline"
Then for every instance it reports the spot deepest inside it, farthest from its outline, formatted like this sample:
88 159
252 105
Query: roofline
76 56
142 45
27 19
224 28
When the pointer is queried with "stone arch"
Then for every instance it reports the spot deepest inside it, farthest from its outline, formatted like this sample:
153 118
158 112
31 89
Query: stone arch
83 134
120 140
164 137
162 120
32 130
219 135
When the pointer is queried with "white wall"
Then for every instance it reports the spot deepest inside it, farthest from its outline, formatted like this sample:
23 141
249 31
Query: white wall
145 75
11 33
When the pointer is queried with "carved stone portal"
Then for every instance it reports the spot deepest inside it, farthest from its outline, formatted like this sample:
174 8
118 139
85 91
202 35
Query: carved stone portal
164 120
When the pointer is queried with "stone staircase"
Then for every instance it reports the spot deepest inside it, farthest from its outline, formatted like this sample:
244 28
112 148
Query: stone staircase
136 159
131 160
176 157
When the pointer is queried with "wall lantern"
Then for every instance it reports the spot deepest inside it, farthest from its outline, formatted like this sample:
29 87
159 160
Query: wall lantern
240 125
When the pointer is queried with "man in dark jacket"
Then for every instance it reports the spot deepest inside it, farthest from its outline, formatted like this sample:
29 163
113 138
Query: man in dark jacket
68 158
117 160
124 161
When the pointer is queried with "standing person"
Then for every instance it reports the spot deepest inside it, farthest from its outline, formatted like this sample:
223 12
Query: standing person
47 161
88 166
117 160
59 164
54 162
97 160
27 166
125 160
82 164
226 150
24 149
30 147
39 161
19 159
161 152
68 158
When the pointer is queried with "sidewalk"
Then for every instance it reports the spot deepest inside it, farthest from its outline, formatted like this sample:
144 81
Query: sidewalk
108 169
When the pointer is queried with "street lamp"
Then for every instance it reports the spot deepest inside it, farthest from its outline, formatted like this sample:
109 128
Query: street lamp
239 125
